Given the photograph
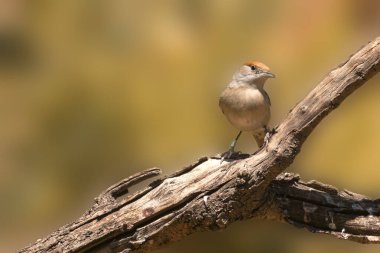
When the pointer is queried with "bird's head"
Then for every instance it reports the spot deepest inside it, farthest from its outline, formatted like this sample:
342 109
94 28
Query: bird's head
253 72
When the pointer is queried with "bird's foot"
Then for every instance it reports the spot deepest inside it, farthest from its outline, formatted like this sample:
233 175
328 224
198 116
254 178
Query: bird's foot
232 155
228 154
266 139
270 133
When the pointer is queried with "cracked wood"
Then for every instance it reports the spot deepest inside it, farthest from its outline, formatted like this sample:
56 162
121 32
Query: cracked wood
321 208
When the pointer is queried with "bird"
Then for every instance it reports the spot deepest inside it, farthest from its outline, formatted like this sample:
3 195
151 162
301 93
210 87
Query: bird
246 104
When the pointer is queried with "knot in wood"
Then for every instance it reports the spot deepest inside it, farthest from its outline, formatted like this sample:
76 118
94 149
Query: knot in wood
303 109
243 176
148 211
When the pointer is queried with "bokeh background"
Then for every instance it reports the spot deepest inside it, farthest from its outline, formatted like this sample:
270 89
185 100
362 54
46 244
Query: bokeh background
92 91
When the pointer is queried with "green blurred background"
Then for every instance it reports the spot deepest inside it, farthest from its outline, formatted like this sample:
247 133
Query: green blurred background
92 91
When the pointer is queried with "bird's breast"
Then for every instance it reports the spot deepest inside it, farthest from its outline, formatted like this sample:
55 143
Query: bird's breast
246 108
241 99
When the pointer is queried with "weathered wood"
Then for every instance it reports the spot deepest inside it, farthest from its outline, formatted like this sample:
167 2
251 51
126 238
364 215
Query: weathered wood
321 208
208 195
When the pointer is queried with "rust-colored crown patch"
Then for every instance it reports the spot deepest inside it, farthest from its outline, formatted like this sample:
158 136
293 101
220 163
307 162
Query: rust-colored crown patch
257 64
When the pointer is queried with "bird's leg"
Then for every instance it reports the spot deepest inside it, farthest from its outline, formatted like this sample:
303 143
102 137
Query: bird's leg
228 154
233 144
263 139
268 134
259 136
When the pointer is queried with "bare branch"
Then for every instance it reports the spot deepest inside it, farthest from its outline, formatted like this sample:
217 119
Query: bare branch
208 195
321 208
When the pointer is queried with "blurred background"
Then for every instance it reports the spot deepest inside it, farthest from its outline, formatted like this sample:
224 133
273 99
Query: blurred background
92 91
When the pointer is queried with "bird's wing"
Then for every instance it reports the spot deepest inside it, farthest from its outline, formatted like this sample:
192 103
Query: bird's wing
267 97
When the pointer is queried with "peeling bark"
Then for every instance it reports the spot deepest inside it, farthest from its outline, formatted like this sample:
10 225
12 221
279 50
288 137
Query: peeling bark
209 195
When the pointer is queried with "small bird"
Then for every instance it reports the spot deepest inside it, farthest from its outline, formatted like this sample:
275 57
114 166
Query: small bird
245 103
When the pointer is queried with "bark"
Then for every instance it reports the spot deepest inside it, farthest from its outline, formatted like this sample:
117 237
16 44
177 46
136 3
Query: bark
210 194
320 208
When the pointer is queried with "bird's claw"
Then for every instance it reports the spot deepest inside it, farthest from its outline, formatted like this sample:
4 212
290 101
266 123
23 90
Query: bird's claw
266 139
268 135
228 154
272 131
232 155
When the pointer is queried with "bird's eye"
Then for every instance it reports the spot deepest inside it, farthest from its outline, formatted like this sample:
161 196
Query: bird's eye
253 67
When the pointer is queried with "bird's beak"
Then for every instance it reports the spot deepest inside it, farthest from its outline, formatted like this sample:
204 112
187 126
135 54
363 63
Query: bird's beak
269 74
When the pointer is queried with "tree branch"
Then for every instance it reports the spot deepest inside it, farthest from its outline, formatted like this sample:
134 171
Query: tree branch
321 208
208 195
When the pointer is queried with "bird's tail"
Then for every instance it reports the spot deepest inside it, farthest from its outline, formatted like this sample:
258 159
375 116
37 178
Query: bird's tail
259 136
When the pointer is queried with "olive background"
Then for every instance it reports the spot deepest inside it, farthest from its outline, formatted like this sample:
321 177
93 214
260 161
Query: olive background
93 91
